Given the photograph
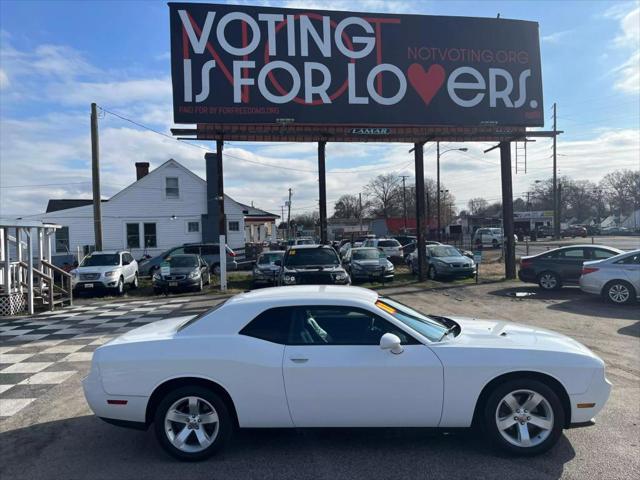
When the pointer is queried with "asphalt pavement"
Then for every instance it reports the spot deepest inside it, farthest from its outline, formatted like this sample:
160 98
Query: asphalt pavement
57 437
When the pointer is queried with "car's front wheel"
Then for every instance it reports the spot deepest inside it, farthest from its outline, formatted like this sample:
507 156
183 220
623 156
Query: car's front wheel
120 287
432 273
135 282
524 417
619 292
192 423
549 281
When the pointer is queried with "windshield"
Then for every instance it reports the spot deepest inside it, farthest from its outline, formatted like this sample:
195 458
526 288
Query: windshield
312 256
388 243
269 258
101 260
427 326
368 254
181 262
305 241
497 231
443 251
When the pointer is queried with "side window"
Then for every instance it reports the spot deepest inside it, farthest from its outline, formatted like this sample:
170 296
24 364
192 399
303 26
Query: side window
572 253
630 260
210 250
327 325
598 254
272 325
192 249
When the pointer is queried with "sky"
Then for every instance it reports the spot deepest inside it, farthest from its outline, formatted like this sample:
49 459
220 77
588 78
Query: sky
57 57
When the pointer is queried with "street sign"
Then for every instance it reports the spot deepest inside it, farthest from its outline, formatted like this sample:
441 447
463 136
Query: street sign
165 269
477 257
242 65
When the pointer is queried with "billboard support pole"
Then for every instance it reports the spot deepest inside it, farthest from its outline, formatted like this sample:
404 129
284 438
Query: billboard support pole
507 211
323 191
95 179
418 150
222 229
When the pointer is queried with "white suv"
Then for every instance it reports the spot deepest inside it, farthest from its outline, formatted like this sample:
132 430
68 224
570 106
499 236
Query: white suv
490 236
106 270
390 246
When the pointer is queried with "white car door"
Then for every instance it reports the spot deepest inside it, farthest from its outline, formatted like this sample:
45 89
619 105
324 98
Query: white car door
336 374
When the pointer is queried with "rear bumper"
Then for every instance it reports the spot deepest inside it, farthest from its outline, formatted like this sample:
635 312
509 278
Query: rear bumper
590 285
527 276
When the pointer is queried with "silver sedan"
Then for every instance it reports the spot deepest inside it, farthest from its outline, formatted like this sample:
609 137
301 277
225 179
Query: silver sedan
617 278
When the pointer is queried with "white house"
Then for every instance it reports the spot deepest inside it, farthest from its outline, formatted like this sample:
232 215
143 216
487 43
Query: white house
162 209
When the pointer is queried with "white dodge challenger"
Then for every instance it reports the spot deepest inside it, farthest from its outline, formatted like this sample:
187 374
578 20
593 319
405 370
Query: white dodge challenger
330 356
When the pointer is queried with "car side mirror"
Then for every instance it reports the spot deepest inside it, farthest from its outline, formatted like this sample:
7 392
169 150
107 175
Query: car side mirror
278 263
389 341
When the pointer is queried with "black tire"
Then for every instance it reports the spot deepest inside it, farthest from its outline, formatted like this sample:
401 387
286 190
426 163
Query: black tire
200 285
619 292
491 413
216 269
494 243
120 287
432 273
135 282
549 281
224 431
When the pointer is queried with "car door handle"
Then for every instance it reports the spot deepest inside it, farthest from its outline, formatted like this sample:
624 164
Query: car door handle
298 359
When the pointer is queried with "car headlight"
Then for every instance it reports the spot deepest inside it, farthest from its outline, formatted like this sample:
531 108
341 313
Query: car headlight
110 274
194 274
340 277
389 267
289 279
156 276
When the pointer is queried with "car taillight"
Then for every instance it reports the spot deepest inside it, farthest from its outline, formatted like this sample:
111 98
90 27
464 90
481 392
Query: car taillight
586 270
525 263
231 253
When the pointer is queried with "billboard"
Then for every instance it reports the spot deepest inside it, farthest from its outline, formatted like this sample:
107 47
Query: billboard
239 65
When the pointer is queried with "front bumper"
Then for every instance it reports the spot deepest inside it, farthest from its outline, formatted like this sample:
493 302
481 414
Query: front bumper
372 275
184 283
456 272
597 394
93 285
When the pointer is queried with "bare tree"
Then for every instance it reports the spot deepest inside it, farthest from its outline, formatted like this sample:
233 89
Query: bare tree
385 194
477 205
348 206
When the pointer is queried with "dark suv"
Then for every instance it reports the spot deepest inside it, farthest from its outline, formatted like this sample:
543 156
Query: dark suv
312 265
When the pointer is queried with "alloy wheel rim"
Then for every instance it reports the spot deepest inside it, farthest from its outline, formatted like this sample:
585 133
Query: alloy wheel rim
120 286
191 424
619 293
548 281
524 418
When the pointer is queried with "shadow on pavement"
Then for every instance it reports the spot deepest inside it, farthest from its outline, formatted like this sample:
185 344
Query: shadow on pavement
85 447
570 300
632 330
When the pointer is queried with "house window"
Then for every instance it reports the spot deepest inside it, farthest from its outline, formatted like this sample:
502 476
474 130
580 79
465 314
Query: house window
171 189
150 240
234 226
133 235
62 240
193 227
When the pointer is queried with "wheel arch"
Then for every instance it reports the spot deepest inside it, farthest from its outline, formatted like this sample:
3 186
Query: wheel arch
548 380
164 388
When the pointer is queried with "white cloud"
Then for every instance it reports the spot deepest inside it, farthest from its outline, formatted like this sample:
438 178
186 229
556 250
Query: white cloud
4 79
628 40
556 36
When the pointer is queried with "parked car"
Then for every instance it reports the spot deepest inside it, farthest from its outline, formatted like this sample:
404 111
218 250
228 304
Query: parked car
412 259
544 231
267 268
574 231
616 278
108 270
186 272
390 246
312 264
210 252
490 237
345 248
408 243
561 266
616 231
445 261
301 241
368 264
329 356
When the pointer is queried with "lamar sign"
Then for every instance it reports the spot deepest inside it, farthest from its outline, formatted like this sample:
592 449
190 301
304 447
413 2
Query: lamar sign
253 65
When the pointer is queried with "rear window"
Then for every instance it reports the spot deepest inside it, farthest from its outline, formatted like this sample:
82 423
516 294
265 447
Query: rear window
388 243
202 315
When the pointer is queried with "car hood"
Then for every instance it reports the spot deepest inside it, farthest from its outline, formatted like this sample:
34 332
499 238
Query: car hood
327 269
182 270
100 269
453 259
268 268
369 263
502 334
160 330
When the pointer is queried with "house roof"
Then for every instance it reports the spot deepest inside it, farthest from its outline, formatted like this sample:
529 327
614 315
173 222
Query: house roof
56 204
255 212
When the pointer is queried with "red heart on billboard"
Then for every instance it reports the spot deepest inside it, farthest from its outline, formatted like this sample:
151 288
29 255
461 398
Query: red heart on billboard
426 83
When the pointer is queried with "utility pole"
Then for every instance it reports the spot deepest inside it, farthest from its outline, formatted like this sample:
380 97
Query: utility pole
289 216
419 167
282 216
438 188
556 205
95 178
322 184
404 201
360 210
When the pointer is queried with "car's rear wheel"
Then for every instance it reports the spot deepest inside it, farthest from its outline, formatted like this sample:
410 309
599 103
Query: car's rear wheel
432 273
192 423
524 417
216 270
549 281
619 292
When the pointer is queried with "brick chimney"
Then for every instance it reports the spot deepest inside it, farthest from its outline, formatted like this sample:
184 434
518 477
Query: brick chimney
142 169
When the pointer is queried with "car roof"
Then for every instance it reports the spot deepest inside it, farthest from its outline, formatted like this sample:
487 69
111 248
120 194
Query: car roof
306 293
108 252
185 255
306 247
272 251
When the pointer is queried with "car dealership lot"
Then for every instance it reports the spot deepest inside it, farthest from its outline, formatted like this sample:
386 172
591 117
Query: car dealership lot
56 436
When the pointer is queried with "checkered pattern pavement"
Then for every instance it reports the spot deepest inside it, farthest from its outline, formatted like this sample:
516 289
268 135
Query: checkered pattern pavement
39 352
